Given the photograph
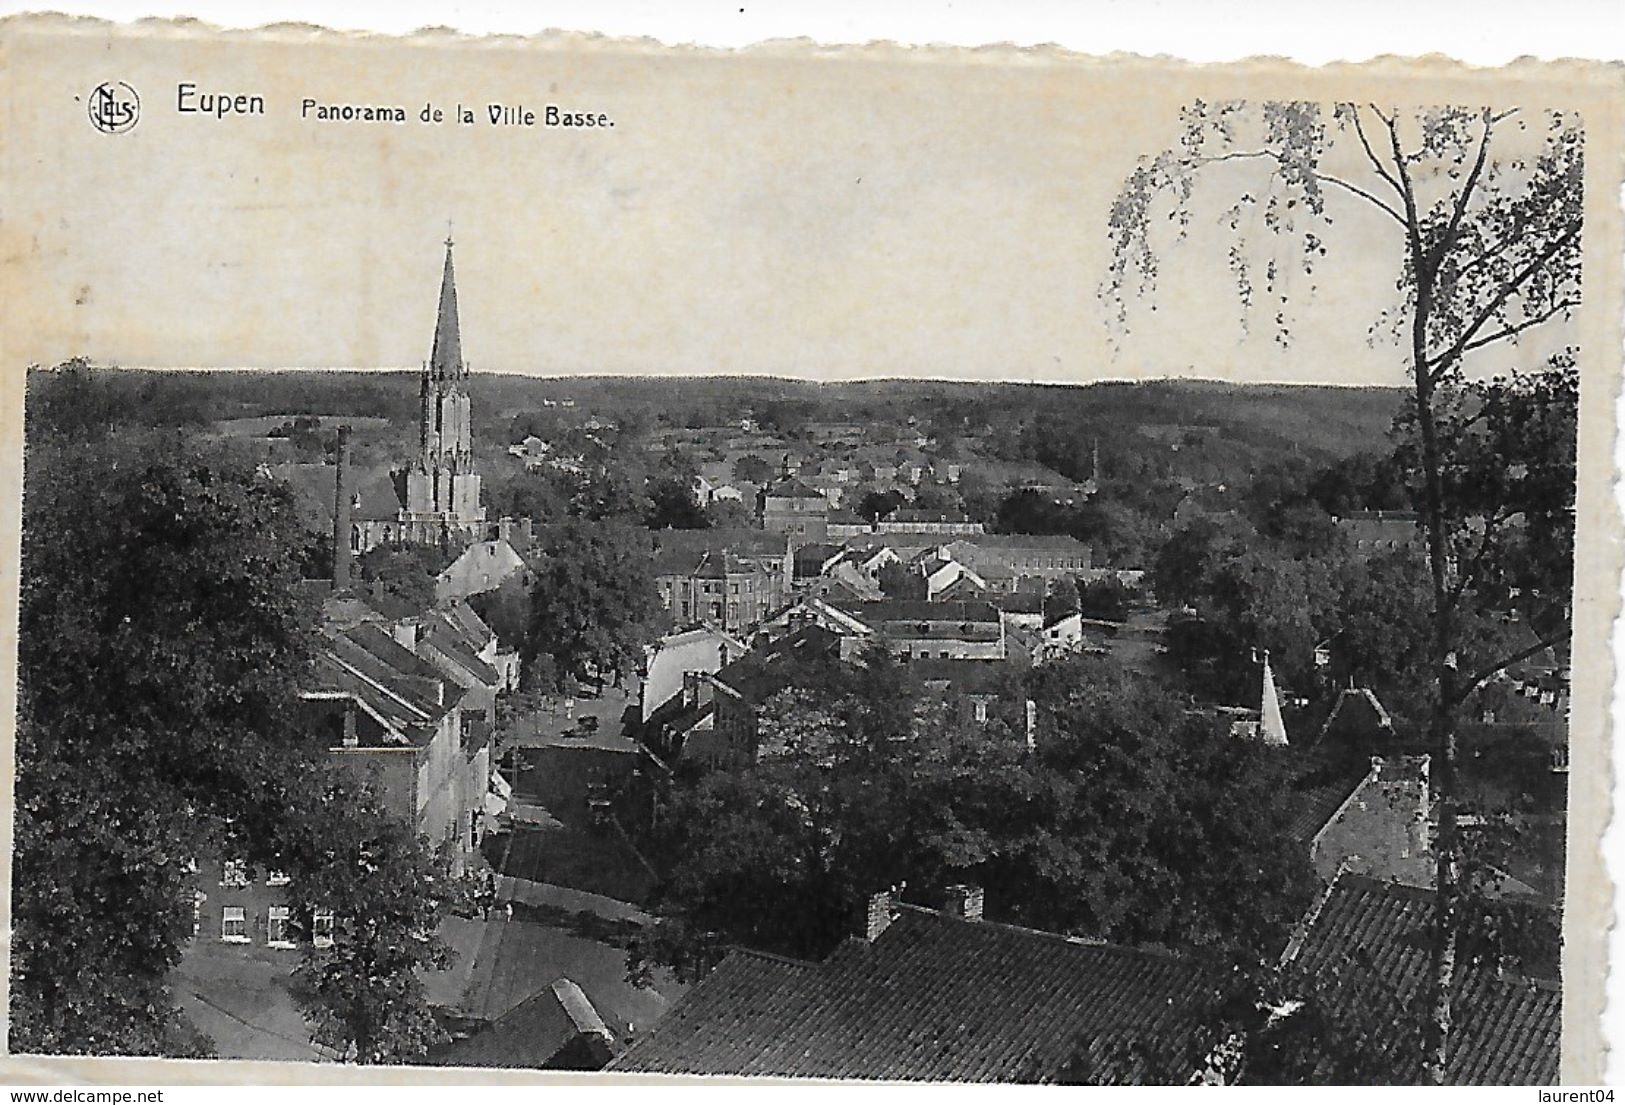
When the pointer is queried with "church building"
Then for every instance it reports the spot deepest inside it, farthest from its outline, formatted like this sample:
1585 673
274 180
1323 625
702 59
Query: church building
439 490
434 498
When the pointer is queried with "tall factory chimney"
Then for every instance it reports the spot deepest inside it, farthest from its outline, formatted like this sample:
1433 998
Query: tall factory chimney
341 514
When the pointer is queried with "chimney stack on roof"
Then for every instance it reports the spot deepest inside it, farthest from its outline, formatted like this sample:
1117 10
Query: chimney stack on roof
881 912
965 901
341 514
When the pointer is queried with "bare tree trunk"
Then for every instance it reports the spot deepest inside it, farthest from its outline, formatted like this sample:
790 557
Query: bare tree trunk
1441 729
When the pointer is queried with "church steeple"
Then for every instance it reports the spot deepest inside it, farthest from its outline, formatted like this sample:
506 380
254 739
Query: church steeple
440 490
446 359
1274 727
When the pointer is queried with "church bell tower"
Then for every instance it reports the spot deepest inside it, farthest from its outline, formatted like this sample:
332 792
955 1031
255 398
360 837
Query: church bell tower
442 492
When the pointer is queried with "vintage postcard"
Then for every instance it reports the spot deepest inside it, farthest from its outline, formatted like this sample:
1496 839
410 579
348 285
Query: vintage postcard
559 554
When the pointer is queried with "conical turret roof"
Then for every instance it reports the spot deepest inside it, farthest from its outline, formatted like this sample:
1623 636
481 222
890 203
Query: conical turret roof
1274 726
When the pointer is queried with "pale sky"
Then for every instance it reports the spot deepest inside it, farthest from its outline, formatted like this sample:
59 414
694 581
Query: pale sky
818 217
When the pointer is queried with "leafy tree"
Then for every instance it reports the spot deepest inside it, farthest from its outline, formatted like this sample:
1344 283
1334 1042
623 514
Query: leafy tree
387 893
407 572
728 514
1061 600
1120 534
1108 598
1382 635
506 610
753 469
593 601
876 504
1129 822
1279 503
1158 827
160 646
938 497
80 402
71 400
1486 209
672 505
535 494
980 498
1027 511
898 581
610 492
1363 481
1184 569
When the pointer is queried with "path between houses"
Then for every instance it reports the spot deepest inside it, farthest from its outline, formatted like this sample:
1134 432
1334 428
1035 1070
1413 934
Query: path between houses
530 892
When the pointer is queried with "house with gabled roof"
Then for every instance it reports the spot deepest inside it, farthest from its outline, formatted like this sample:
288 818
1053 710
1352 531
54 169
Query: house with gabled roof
793 507
918 629
944 995
731 579
1508 1026
923 994
556 1029
398 718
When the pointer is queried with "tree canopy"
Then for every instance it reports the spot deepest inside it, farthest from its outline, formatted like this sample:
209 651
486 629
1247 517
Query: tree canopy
1127 821
162 647
593 601
1485 206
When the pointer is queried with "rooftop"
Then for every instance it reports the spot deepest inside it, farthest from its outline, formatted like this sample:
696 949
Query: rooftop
792 487
934 998
919 610
1508 1029
1056 542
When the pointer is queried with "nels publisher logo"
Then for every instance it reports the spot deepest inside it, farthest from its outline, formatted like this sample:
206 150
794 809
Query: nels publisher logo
114 107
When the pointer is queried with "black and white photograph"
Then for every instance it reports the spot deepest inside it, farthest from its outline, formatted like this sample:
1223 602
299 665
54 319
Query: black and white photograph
886 566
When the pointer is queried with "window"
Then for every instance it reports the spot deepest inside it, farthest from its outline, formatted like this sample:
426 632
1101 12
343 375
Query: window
321 928
233 925
277 878
234 873
277 934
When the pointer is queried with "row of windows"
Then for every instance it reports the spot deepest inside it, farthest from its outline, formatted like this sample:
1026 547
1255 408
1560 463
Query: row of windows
234 874
278 926
1064 562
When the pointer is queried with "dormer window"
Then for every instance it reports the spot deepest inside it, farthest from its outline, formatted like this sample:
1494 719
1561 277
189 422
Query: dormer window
234 873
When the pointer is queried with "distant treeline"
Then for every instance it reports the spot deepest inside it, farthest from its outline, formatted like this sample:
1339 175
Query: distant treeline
82 401
1054 425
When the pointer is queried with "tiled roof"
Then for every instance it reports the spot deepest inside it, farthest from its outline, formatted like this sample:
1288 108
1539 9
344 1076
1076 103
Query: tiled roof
468 623
1047 542
449 642
760 673
792 488
963 676
1507 1029
372 491
535 1034
1357 715
407 693
935 998
1313 804
911 610
680 551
